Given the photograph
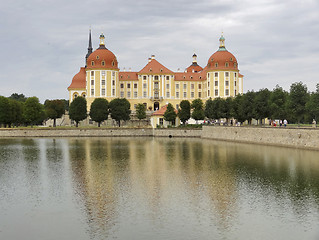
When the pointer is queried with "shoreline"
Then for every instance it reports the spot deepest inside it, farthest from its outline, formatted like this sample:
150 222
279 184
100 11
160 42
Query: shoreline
302 138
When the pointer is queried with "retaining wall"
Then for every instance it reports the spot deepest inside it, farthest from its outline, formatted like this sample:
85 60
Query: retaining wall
288 137
101 132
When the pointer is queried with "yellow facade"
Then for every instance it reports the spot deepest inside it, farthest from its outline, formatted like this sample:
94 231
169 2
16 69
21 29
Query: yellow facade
155 85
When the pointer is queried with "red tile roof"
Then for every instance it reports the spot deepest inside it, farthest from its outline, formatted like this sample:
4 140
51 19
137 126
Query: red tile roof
128 76
78 80
190 76
154 67
161 111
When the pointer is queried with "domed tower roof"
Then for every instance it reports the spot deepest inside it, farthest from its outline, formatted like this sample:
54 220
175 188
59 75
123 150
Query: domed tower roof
194 67
222 59
102 58
78 80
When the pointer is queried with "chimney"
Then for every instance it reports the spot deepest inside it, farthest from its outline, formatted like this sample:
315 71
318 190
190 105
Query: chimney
149 59
153 57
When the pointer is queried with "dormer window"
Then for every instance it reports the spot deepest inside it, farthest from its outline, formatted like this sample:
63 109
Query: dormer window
226 64
150 69
92 63
161 70
231 59
103 63
113 63
216 64
97 57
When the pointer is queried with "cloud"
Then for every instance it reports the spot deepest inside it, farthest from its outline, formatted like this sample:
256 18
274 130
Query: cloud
44 42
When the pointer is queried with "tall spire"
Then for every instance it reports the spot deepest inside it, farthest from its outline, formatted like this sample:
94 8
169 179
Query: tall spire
90 49
102 44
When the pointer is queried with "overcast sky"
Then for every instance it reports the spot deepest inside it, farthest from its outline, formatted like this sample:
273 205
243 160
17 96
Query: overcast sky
44 42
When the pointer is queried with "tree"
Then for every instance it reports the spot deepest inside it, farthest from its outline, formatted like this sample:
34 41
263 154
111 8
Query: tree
228 108
120 109
209 109
312 106
198 109
140 111
16 115
4 110
78 110
184 113
261 105
297 100
277 103
99 110
33 111
246 107
236 111
18 97
170 114
54 109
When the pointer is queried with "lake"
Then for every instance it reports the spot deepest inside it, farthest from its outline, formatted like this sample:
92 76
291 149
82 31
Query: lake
156 188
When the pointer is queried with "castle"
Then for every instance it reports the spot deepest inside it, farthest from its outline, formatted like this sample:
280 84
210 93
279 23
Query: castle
155 85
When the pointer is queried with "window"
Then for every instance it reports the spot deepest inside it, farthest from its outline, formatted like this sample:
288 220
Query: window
227 92
122 94
208 83
199 94
216 74
103 73
113 73
122 85
103 82
184 94
177 86
97 57
226 74
92 82
235 65
92 73
227 83
235 92
167 77
156 85
144 94
161 121
156 95
226 64
144 85
199 86
103 91
216 64
192 86
156 77
235 83
216 83
167 86
135 94
128 94
128 85
185 86
177 94
113 82
208 92
113 92
103 63
135 85
192 95
235 75
216 92
92 63
92 92
167 94
144 77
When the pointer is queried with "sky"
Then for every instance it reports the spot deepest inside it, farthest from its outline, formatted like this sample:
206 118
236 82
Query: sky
44 42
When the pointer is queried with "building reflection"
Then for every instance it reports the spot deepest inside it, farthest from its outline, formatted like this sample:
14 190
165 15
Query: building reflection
161 178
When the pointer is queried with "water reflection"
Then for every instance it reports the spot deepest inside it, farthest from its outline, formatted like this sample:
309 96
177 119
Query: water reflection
158 188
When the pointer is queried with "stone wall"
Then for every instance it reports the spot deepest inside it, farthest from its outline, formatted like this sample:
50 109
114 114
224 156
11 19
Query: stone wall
99 132
288 137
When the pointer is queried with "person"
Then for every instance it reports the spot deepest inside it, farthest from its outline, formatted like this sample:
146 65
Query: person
280 123
285 123
314 123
